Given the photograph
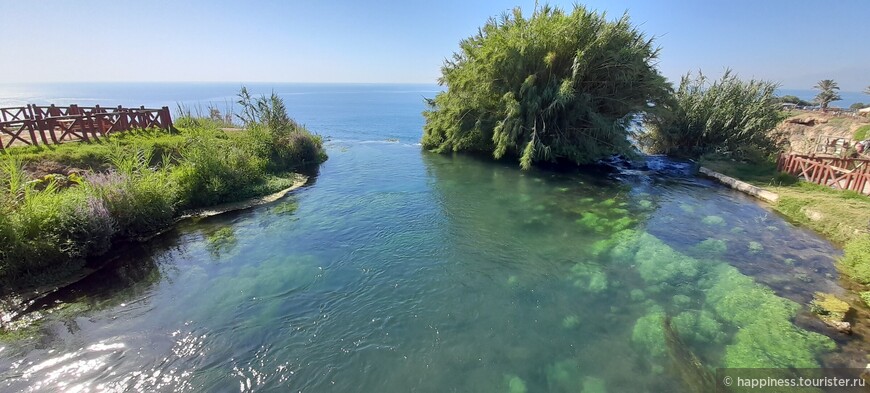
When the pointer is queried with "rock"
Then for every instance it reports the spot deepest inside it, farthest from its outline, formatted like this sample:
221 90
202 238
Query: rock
804 121
831 310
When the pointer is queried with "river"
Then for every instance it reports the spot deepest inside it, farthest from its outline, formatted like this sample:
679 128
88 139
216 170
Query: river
395 269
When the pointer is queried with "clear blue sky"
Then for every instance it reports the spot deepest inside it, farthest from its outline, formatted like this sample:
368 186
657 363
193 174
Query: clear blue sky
794 42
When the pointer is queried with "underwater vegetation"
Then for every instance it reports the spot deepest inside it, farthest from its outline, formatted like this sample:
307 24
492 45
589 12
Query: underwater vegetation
515 384
755 247
570 322
589 277
221 241
566 376
286 207
712 246
766 336
831 310
730 308
713 220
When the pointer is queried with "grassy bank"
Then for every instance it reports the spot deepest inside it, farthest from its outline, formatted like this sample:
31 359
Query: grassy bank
841 216
61 204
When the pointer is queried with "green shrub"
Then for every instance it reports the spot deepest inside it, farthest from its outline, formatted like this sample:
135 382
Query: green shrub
856 259
139 182
861 133
729 116
555 86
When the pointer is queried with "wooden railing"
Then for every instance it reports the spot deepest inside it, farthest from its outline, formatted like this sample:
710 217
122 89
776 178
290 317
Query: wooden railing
839 173
34 125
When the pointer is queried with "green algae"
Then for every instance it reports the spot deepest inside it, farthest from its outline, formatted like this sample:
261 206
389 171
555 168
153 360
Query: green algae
621 224
562 376
755 247
865 296
221 241
637 295
687 208
608 202
646 204
712 246
682 301
700 327
737 230
829 307
588 277
713 221
515 384
592 221
766 337
288 207
593 385
648 333
658 263
513 280
571 322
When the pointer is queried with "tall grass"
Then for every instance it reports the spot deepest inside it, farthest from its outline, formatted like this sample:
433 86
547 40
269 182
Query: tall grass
728 116
136 186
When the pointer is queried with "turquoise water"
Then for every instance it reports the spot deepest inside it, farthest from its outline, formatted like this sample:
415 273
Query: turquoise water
400 270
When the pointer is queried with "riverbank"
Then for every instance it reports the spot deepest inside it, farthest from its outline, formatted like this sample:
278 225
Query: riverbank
841 216
65 204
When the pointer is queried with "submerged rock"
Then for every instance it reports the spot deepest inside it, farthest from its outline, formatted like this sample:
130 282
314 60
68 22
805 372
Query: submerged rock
831 310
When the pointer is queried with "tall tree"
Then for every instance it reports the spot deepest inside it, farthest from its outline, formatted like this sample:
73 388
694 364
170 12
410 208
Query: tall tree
867 90
827 92
555 86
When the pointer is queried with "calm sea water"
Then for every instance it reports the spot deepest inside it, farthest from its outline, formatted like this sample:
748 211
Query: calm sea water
400 270
848 97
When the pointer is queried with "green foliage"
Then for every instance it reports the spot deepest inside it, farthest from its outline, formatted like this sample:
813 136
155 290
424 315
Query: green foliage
865 296
790 99
555 86
856 259
138 183
729 116
760 172
827 92
862 133
858 105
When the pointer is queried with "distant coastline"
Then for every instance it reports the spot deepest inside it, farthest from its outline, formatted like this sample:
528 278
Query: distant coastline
849 97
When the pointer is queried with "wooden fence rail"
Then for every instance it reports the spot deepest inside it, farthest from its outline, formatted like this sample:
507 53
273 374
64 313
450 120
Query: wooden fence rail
35 125
839 173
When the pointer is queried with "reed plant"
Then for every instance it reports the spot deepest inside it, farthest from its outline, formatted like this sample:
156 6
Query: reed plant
728 116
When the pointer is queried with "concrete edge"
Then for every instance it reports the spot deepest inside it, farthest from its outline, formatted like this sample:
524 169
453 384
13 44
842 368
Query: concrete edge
741 186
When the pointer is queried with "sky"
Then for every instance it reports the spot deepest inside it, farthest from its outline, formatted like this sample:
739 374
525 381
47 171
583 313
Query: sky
795 43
